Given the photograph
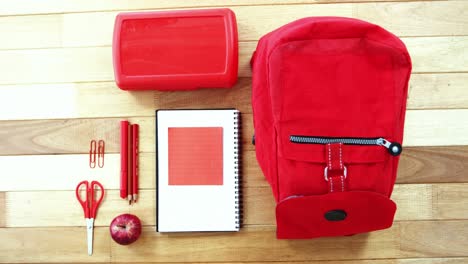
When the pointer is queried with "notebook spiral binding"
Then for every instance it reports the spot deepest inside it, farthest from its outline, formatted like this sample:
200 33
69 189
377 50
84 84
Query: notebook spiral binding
237 171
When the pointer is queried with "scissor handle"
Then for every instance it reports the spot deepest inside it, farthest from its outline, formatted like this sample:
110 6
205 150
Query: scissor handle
84 203
95 203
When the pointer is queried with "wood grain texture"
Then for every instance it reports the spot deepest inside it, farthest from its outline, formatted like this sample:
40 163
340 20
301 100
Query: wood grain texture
438 91
440 127
417 165
37 31
26 209
57 93
401 261
63 172
415 202
2 210
238 96
450 202
433 164
94 64
96 28
26 7
64 136
75 100
60 245
105 99
69 135
450 260
432 261
418 18
429 238
403 240
259 244
56 65
438 54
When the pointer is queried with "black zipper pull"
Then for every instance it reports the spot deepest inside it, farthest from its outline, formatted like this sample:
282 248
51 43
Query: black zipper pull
393 148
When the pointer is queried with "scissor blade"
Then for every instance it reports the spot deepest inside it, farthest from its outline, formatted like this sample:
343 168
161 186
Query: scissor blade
89 228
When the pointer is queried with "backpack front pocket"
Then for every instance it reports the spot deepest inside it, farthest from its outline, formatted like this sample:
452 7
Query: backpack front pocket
304 163
332 186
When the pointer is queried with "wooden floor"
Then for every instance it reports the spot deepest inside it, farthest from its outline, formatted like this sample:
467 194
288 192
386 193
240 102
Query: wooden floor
57 93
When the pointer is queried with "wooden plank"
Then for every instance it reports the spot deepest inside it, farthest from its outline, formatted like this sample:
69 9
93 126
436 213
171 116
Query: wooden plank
33 245
63 172
238 96
74 135
249 245
433 239
56 65
96 28
400 261
441 54
26 209
422 128
94 64
416 17
105 99
417 165
2 210
415 202
432 261
24 32
450 201
403 240
436 127
449 260
75 100
246 245
438 91
27 7
69 136
433 164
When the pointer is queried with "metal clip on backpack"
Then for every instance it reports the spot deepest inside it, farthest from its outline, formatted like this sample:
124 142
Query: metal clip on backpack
329 99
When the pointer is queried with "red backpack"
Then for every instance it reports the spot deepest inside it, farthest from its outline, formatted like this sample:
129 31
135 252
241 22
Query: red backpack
329 100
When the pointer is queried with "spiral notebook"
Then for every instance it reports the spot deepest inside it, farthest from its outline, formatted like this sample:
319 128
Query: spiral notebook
197 177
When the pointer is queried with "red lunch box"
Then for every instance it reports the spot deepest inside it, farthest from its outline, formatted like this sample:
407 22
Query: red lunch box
175 50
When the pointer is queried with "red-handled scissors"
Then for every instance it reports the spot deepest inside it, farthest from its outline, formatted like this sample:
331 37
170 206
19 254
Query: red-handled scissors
90 206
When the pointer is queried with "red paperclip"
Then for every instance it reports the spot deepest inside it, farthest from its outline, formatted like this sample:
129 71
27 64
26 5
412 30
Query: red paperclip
92 154
101 146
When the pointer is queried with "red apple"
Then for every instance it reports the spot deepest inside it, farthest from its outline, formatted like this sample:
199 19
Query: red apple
125 229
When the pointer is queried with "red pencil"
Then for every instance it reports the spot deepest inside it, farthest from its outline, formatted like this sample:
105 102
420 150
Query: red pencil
123 158
135 161
130 165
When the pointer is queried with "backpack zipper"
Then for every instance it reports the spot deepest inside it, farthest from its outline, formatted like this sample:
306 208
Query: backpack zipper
393 148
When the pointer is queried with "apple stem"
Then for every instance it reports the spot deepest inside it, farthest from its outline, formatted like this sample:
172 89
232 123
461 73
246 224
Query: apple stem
121 226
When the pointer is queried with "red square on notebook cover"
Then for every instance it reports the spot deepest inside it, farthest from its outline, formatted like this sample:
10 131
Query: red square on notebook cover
195 155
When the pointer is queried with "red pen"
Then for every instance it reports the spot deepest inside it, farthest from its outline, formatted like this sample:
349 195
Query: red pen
135 161
123 158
